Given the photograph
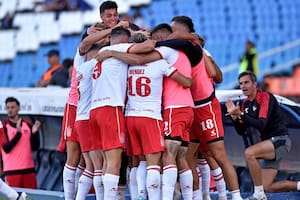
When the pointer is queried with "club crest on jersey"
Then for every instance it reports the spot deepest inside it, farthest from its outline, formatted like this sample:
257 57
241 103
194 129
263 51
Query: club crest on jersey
254 108
246 110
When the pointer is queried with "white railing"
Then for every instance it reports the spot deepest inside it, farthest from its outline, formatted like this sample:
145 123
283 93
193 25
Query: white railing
263 55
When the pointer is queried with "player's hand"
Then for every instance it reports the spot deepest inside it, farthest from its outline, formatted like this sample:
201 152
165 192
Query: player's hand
232 109
147 33
36 126
94 28
124 24
103 55
19 125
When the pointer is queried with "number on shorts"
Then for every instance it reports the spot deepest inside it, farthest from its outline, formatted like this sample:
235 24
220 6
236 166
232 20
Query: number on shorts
142 86
208 124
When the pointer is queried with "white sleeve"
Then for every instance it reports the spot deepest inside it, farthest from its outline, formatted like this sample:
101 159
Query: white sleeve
207 53
167 68
78 59
123 47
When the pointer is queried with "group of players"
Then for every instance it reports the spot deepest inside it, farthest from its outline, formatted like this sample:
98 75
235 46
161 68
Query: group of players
152 96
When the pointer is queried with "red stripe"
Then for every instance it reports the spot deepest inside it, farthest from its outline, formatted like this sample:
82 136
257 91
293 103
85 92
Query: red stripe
169 167
80 167
87 175
70 167
184 170
128 50
161 57
153 168
173 73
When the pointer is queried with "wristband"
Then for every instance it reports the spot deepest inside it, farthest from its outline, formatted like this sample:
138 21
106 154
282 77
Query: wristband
241 115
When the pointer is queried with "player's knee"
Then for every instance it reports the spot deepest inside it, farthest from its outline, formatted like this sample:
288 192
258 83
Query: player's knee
249 154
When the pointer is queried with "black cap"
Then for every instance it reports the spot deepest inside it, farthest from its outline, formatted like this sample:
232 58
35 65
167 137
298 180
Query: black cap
52 52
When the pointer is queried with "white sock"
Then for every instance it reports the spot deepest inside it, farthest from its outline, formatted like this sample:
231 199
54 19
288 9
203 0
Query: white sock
69 182
236 195
98 184
110 183
205 174
186 184
169 181
78 173
258 191
197 194
153 182
141 174
133 184
84 185
298 185
121 192
10 193
220 182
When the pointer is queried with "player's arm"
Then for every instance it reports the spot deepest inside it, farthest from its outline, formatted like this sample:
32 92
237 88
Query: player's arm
186 82
97 36
142 47
192 51
185 36
212 68
129 58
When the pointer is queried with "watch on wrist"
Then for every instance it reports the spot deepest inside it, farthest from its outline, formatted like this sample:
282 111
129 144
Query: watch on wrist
241 115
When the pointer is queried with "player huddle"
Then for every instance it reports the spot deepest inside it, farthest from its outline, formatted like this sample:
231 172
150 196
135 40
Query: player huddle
150 95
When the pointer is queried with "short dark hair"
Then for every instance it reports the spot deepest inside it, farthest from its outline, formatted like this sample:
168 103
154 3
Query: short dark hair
119 31
185 21
12 99
107 5
161 27
249 73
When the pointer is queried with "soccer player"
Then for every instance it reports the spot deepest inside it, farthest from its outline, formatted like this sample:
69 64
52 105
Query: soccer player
83 77
106 116
143 111
207 126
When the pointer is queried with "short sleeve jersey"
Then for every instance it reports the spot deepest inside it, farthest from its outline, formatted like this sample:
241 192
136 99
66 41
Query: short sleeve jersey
84 88
109 79
145 85
174 95
73 95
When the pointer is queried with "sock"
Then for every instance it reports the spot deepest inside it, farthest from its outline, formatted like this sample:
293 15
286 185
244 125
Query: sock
197 194
236 195
110 183
298 185
84 185
258 191
98 184
121 192
10 193
153 182
186 183
220 182
133 184
69 182
205 174
169 181
141 174
78 173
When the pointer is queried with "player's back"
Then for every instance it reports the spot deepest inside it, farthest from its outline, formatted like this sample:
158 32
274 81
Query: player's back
145 85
